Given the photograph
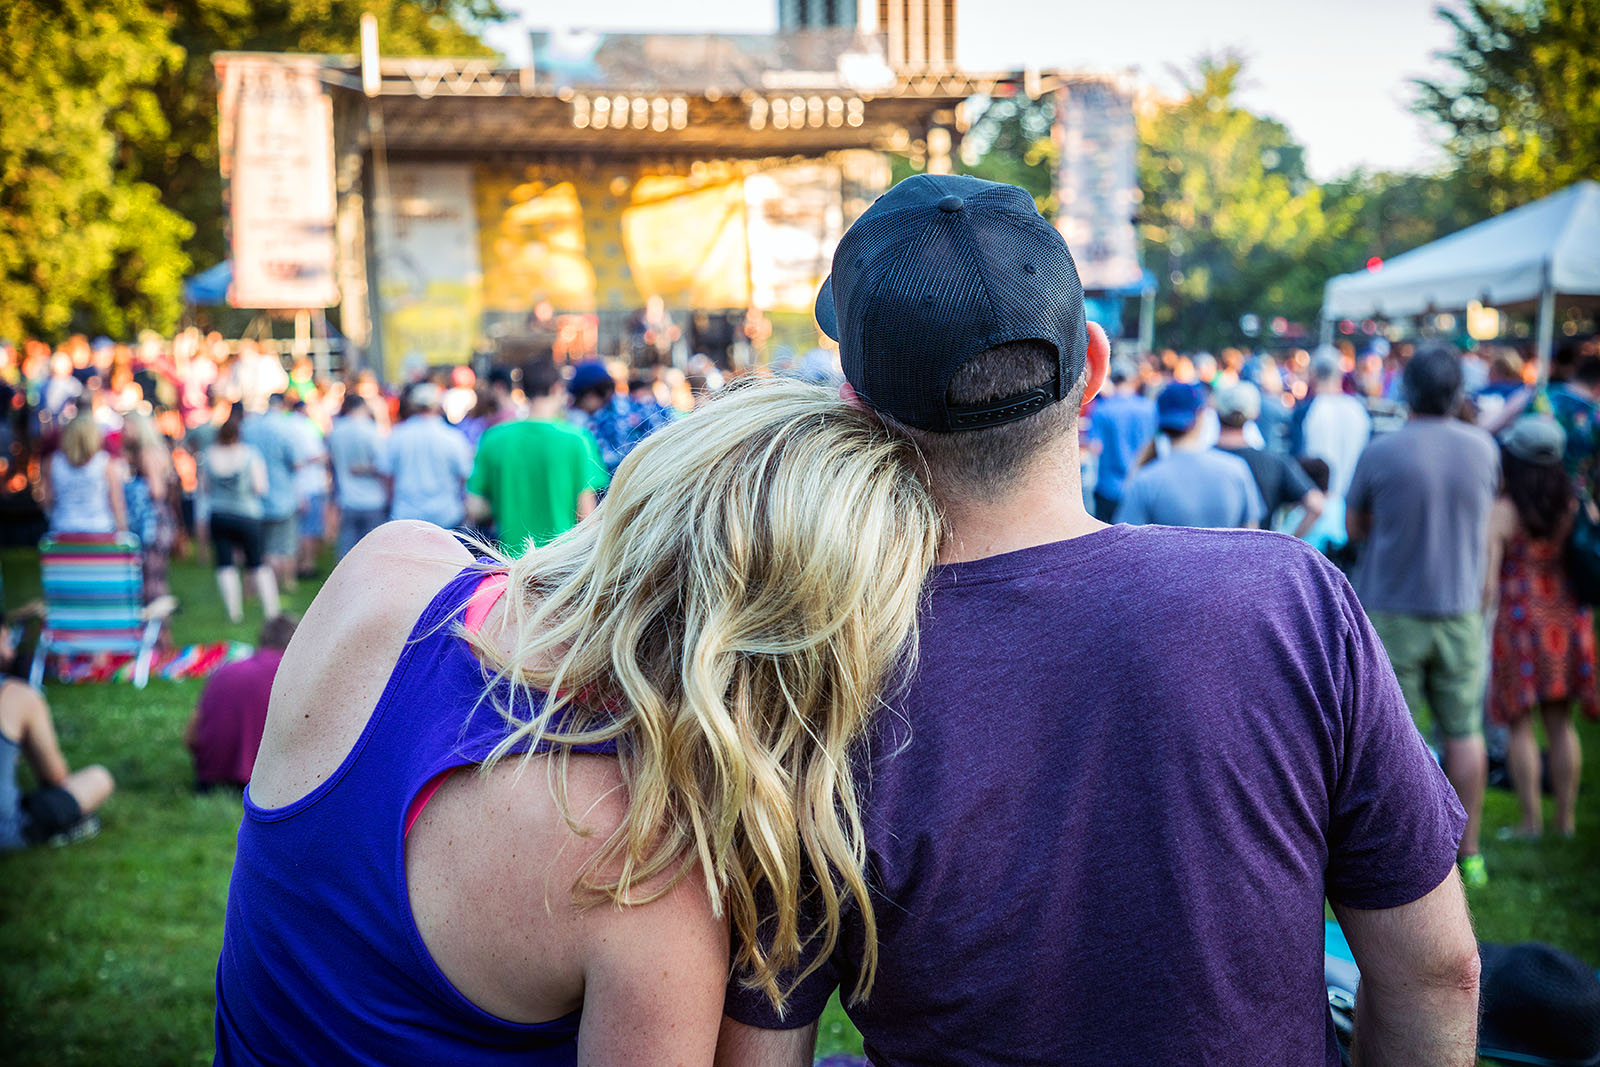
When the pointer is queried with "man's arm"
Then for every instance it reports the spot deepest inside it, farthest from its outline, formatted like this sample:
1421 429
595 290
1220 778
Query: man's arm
586 504
739 1045
1418 999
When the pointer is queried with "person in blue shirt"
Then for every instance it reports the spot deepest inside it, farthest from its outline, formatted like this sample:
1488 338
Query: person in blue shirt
1122 424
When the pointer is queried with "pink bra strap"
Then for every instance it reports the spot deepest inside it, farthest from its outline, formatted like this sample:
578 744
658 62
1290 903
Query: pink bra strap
483 599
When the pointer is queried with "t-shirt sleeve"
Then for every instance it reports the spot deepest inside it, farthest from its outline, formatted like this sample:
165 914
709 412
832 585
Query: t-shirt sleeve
1255 507
1296 482
1394 820
1359 496
594 474
804 1006
482 476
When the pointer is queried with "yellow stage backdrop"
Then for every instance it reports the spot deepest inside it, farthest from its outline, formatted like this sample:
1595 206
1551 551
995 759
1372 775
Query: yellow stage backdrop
714 235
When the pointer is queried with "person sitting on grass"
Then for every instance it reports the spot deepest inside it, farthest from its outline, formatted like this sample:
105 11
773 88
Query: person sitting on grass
62 809
225 730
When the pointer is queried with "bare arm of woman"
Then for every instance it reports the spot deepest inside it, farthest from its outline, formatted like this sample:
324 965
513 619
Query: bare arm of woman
116 474
1502 524
155 474
654 981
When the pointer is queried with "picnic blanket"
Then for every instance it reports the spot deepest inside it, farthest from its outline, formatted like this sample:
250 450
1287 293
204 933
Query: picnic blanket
191 661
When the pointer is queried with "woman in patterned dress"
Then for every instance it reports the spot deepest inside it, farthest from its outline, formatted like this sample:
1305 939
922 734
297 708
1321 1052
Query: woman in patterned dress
1544 642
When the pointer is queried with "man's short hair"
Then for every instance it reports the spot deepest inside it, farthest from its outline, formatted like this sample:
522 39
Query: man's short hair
540 378
985 464
353 403
277 631
1432 379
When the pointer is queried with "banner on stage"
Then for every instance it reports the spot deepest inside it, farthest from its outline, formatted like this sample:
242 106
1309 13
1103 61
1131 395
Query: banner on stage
1098 184
275 132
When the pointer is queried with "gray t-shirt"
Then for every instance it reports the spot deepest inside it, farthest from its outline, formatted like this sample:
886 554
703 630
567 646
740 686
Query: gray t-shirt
1428 488
1204 488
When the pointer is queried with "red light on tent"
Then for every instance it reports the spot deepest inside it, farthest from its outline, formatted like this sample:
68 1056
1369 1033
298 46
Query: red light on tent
1375 264
1280 326
1346 326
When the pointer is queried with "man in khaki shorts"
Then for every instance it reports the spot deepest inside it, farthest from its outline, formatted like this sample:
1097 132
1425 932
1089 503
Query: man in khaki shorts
1420 498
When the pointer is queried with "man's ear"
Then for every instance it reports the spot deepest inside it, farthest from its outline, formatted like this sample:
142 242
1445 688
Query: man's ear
1096 362
848 394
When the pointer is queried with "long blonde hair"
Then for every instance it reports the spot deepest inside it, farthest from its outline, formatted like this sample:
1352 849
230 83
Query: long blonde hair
81 438
731 615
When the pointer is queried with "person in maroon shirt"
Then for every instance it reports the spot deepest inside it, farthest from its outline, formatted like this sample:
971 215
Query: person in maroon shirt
225 731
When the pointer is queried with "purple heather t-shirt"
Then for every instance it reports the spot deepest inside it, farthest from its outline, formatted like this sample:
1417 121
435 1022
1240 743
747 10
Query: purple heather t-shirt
1103 818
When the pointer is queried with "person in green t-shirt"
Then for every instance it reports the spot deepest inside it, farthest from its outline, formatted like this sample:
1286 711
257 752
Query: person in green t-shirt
536 477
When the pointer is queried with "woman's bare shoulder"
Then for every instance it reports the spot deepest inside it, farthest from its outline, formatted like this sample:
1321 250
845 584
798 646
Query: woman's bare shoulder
343 652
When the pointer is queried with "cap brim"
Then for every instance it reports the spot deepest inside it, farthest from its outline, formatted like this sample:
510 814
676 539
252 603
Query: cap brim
827 317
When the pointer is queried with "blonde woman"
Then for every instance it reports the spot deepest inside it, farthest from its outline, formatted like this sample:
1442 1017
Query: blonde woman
83 483
509 809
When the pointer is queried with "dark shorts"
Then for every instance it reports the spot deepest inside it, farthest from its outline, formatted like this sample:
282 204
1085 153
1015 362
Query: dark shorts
47 812
230 533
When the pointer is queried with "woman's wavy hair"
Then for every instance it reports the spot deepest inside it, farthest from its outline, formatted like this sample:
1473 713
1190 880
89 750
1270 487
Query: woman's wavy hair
1541 493
731 615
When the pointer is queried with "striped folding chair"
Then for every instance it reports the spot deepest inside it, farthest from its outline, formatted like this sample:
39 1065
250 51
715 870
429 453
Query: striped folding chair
94 601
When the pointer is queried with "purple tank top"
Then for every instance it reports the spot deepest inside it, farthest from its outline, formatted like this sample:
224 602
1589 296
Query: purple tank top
321 959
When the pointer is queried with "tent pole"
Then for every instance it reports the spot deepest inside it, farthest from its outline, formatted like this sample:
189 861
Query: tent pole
1147 319
1547 328
1325 334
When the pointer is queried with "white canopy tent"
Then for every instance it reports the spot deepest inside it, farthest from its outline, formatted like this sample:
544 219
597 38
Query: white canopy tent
1539 251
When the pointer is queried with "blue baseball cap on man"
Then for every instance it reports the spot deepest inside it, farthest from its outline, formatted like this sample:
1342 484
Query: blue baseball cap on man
939 269
589 374
1178 406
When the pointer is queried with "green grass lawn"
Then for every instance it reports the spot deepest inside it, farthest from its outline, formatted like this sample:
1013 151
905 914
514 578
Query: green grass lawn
108 948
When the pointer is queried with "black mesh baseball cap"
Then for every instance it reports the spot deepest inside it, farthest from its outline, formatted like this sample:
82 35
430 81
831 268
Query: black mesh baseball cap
938 269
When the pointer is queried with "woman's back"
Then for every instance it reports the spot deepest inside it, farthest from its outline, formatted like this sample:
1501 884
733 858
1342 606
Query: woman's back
230 484
82 498
457 942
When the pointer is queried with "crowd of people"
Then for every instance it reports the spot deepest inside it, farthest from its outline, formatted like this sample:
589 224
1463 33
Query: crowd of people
988 524
221 449
1456 542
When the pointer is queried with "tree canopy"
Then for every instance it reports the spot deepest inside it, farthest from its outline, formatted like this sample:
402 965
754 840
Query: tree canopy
109 185
1522 99
1230 224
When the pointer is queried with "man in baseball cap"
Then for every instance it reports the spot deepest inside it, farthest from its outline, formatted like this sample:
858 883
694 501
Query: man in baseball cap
1103 815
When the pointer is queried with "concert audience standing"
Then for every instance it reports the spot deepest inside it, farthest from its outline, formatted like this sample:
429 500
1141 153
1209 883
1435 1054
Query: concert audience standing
310 485
1543 650
1193 485
1283 482
149 493
614 420
355 452
427 461
233 483
1122 422
1336 426
83 488
274 438
536 477
224 733
1420 499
